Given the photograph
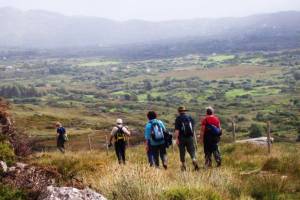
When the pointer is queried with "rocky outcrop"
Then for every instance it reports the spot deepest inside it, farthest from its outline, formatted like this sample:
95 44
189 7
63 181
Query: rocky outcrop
69 193
30 178
259 140
3 167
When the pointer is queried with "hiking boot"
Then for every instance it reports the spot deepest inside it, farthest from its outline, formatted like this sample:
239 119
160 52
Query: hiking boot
196 167
165 167
183 168
219 164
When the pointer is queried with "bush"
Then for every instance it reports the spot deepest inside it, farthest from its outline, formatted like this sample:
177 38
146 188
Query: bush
6 153
256 130
185 193
8 193
267 187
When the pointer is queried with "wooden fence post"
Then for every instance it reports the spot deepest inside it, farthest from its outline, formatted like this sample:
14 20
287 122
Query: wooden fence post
90 144
106 144
233 130
269 136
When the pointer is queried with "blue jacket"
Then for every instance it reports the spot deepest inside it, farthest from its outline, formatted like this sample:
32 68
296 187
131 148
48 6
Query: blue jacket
148 132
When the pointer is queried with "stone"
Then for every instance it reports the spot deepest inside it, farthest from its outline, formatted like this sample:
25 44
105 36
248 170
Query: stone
3 167
69 193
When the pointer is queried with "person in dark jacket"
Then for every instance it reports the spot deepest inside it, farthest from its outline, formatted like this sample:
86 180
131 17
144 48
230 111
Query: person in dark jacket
210 141
60 137
184 133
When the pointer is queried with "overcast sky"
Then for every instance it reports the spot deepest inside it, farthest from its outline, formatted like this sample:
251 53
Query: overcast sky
156 10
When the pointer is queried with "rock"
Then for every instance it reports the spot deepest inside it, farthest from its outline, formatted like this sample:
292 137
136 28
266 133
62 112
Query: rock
69 193
259 140
21 165
3 167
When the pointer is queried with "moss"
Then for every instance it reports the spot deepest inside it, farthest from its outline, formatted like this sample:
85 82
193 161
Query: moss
9 193
6 153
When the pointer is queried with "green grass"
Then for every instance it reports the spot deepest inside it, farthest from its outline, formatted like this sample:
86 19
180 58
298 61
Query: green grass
221 58
97 63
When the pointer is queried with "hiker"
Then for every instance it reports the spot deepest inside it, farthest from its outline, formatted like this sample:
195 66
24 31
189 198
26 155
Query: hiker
210 134
61 137
184 133
119 133
154 135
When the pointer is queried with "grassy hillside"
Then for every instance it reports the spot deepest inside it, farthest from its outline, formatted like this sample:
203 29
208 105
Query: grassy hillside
247 173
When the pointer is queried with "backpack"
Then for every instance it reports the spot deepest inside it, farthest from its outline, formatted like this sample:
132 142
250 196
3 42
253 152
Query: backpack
168 139
212 129
157 132
187 126
120 135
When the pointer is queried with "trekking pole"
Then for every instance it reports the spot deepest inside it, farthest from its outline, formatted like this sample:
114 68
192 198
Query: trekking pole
269 136
196 143
106 144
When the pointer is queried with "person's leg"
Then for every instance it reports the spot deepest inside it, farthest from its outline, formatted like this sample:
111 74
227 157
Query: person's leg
192 151
150 157
155 153
60 146
117 148
207 152
217 156
181 147
122 151
163 155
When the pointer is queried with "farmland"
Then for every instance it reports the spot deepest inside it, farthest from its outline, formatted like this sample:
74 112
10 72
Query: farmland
87 94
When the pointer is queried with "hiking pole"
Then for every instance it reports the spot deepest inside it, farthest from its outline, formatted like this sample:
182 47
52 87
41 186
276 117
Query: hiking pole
196 143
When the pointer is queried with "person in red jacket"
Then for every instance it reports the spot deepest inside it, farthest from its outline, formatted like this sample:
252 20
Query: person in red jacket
210 141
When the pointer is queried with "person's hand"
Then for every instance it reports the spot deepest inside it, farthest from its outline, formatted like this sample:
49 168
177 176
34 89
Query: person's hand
177 141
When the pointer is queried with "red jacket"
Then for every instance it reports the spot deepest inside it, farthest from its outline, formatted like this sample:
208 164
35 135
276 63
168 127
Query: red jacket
210 119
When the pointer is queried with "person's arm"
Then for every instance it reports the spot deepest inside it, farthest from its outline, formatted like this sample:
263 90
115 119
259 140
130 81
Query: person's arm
147 138
112 134
202 130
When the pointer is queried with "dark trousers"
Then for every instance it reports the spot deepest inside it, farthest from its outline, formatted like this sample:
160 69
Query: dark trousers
211 148
61 144
159 151
120 148
186 144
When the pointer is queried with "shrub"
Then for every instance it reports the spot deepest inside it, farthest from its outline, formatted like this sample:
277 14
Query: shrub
255 130
267 187
6 153
8 193
185 193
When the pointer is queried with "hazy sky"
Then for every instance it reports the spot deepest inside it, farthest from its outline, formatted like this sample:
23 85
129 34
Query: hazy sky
156 10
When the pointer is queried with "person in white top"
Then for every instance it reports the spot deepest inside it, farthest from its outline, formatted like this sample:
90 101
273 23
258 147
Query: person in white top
119 133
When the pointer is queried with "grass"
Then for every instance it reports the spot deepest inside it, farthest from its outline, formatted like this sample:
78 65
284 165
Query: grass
97 63
273 179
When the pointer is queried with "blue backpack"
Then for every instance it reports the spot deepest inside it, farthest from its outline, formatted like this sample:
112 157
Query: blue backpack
212 129
157 132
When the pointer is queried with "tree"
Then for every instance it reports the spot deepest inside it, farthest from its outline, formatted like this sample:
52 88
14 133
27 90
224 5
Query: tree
256 130
297 75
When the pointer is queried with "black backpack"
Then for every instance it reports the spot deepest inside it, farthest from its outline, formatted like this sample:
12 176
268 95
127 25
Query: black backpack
120 135
186 126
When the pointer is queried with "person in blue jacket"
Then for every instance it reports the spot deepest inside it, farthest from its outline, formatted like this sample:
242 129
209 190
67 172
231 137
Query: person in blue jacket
154 136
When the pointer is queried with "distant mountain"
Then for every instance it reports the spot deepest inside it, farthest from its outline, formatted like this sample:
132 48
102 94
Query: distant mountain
42 29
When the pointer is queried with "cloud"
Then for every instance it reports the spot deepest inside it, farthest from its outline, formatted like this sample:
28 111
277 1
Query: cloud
156 9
